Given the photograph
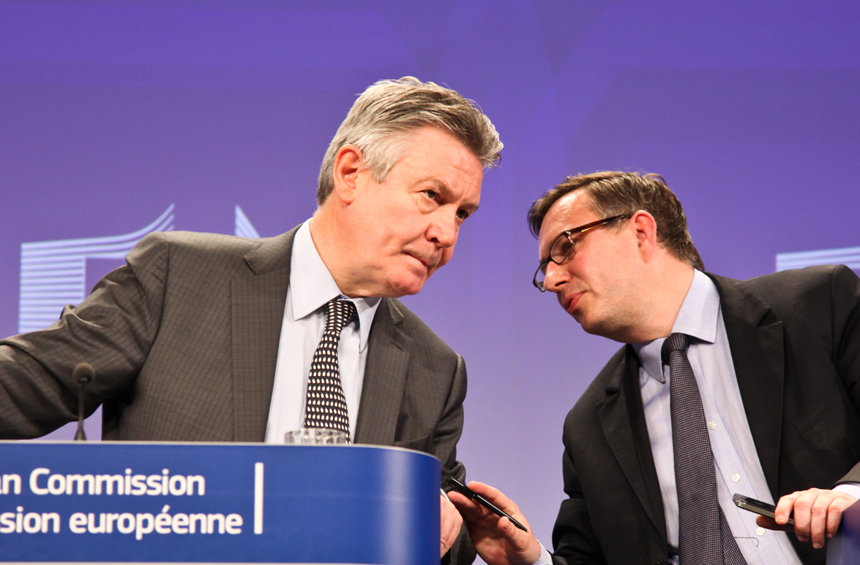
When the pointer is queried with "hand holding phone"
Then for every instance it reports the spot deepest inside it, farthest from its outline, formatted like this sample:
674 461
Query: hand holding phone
757 506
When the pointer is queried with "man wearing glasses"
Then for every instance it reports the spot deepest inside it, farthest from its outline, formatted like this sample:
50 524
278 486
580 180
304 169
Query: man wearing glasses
723 387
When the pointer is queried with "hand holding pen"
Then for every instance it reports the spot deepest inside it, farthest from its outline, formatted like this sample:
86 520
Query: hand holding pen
499 541
472 495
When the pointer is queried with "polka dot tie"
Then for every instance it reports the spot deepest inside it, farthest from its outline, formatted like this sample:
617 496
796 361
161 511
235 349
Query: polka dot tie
326 404
705 536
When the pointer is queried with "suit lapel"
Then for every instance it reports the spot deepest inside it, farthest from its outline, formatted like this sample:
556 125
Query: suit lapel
623 421
258 297
757 346
384 377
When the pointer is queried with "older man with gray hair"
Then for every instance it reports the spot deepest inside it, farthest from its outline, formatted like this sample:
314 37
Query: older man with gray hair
205 337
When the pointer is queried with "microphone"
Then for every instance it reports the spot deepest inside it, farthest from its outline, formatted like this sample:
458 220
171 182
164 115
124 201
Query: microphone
83 375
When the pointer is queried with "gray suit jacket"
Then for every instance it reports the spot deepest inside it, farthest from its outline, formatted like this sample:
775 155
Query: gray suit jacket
184 341
795 342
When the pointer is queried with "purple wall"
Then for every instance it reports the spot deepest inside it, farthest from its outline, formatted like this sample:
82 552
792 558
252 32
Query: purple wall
112 112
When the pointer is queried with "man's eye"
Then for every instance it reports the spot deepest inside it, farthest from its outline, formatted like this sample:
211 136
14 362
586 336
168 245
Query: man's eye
560 249
432 195
463 214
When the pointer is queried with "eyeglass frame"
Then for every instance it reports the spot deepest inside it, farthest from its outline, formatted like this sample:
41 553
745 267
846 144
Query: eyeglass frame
570 252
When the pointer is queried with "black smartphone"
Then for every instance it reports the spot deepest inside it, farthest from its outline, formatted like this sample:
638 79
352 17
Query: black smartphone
757 506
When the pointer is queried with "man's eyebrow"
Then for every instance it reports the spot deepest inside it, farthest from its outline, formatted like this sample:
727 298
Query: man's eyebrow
551 242
447 193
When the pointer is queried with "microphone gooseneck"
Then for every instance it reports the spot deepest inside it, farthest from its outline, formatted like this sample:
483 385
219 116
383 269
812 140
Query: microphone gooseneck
83 375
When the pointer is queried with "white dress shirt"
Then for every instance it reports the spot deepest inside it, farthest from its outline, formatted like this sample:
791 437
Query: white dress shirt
311 286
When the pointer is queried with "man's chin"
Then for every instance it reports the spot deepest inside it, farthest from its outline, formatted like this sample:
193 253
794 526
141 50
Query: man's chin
406 287
603 328
589 325
579 317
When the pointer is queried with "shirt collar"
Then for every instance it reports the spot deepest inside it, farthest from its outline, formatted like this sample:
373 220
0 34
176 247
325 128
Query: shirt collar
311 285
697 318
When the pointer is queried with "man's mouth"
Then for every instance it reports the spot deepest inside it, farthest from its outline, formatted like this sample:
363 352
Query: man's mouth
427 262
570 302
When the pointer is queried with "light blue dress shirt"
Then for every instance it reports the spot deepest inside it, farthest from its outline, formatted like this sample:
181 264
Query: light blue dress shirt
736 462
311 286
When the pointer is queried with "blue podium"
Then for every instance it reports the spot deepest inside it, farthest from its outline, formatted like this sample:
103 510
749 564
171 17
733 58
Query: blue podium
844 548
170 502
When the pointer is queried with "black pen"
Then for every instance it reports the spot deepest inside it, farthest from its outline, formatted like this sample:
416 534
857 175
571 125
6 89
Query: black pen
472 495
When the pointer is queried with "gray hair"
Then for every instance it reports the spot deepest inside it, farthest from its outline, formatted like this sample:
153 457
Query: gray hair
380 121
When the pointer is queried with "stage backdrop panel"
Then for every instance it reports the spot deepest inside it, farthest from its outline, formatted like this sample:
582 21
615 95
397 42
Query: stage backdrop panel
122 117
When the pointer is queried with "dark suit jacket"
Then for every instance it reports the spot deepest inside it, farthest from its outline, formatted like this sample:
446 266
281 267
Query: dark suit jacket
184 342
795 342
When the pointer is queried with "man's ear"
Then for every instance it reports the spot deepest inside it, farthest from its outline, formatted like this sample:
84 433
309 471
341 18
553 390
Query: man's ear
646 232
347 165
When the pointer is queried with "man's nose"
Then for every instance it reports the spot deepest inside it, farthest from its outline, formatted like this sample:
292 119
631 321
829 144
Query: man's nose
443 230
556 277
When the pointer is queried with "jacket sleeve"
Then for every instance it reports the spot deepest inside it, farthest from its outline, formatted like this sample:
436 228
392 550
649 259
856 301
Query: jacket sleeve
444 446
573 537
845 291
112 329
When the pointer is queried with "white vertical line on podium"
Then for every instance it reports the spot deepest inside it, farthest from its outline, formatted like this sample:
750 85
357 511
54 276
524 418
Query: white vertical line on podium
258 498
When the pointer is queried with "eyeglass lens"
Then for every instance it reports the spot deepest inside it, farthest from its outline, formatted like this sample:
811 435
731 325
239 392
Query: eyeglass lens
560 248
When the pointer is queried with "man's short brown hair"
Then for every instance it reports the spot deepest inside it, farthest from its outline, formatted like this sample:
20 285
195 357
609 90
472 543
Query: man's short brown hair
615 193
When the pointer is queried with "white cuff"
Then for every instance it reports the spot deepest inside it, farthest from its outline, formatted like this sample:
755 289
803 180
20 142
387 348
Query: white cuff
544 558
851 489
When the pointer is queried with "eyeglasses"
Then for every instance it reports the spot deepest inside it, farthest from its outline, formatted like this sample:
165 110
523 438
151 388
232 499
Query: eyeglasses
564 248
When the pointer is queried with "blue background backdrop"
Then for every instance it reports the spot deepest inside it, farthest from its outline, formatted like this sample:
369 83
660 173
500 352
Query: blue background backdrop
110 112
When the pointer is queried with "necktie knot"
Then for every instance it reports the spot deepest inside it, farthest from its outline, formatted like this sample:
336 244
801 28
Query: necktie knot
338 314
675 342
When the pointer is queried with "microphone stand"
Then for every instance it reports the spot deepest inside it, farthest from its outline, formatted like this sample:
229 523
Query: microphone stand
83 375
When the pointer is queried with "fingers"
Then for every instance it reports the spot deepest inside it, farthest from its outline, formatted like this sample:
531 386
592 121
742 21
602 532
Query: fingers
817 513
451 522
834 513
474 511
495 496
496 538
785 507
771 524
468 508
810 516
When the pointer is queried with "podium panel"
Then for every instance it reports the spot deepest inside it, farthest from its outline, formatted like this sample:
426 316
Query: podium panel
844 548
225 503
